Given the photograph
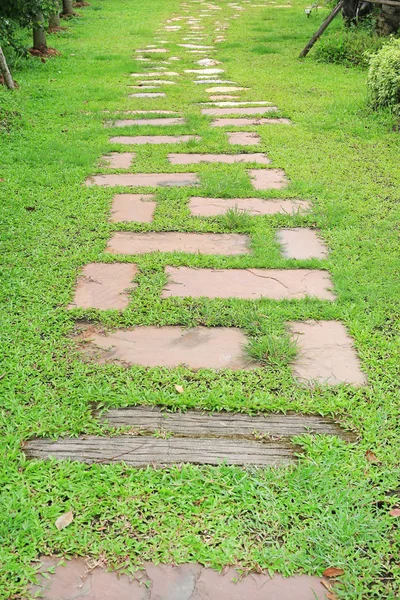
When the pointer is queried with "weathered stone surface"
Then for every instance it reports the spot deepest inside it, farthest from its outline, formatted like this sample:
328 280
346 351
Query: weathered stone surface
240 103
240 122
301 243
222 97
244 110
148 95
191 159
205 71
144 179
196 46
133 207
210 207
326 354
156 74
154 122
223 90
77 580
244 138
265 179
104 286
196 348
119 160
152 50
251 284
142 86
153 139
129 242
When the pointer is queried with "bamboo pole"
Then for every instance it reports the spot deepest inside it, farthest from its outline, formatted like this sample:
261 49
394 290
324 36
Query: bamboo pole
6 72
321 30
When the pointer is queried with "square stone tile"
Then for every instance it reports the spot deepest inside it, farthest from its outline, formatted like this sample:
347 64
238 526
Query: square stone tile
104 286
133 207
119 160
301 243
244 138
265 179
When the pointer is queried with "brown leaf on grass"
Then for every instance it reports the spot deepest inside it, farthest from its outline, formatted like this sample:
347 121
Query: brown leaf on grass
326 585
332 572
331 596
179 389
395 512
371 457
64 520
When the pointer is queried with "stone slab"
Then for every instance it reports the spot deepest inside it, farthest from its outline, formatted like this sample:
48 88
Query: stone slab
153 139
240 122
191 159
156 74
224 89
133 207
222 97
210 207
104 286
78 579
244 110
152 50
326 354
148 95
142 86
205 71
248 284
244 138
196 46
154 122
266 179
240 103
119 160
130 242
145 179
301 243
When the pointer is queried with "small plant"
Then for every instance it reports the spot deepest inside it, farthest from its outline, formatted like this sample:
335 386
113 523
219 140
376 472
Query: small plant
384 76
350 47
234 218
274 350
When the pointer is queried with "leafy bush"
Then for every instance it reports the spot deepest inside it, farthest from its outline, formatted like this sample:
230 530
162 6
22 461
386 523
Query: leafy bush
352 46
384 76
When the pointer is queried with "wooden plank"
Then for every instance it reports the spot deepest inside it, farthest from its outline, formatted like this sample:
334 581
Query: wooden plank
222 424
137 451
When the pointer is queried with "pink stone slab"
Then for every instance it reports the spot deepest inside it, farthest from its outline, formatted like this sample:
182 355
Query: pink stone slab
326 354
196 348
252 284
129 242
156 74
144 179
301 243
104 286
152 50
155 122
223 97
192 159
133 207
244 110
210 207
119 160
148 95
153 139
240 122
223 90
265 179
150 112
244 138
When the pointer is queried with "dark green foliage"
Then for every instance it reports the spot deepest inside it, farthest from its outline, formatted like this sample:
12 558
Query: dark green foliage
350 47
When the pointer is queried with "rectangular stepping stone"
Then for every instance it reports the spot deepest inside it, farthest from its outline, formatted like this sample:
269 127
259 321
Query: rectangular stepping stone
161 73
265 179
148 419
196 46
133 207
119 160
223 90
241 103
148 95
210 207
244 138
208 62
240 122
144 87
250 284
144 179
154 122
301 243
222 97
211 81
141 451
205 71
153 139
195 348
152 50
104 286
155 82
244 110
150 112
326 354
191 159
129 242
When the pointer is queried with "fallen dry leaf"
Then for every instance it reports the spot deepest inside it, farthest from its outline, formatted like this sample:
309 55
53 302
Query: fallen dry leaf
326 585
179 389
331 596
395 512
332 572
371 457
64 520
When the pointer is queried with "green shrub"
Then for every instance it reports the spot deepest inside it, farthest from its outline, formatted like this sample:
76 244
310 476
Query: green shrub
349 47
384 76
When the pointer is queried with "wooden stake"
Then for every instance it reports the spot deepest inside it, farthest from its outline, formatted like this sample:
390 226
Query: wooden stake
321 30
6 72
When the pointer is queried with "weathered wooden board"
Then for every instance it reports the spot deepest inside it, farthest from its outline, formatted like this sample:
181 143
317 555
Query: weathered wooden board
138 451
222 424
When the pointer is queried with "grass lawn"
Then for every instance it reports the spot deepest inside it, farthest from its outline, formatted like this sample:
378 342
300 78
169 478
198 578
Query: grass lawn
332 509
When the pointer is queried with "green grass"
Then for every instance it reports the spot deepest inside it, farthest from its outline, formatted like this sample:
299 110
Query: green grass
332 508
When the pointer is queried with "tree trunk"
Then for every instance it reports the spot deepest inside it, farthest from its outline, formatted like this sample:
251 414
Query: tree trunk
5 71
388 21
54 21
67 7
349 11
39 34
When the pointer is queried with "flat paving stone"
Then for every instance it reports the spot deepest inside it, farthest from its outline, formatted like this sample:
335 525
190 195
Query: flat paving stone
244 110
326 354
152 51
210 207
222 97
196 46
77 579
192 159
301 243
144 87
104 286
205 71
223 89
208 62
133 207
153 139
145 179
250 284
148 95
119 160
265 179
150 112
240 103
154 122
156 74
244 138
241 122
130 242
